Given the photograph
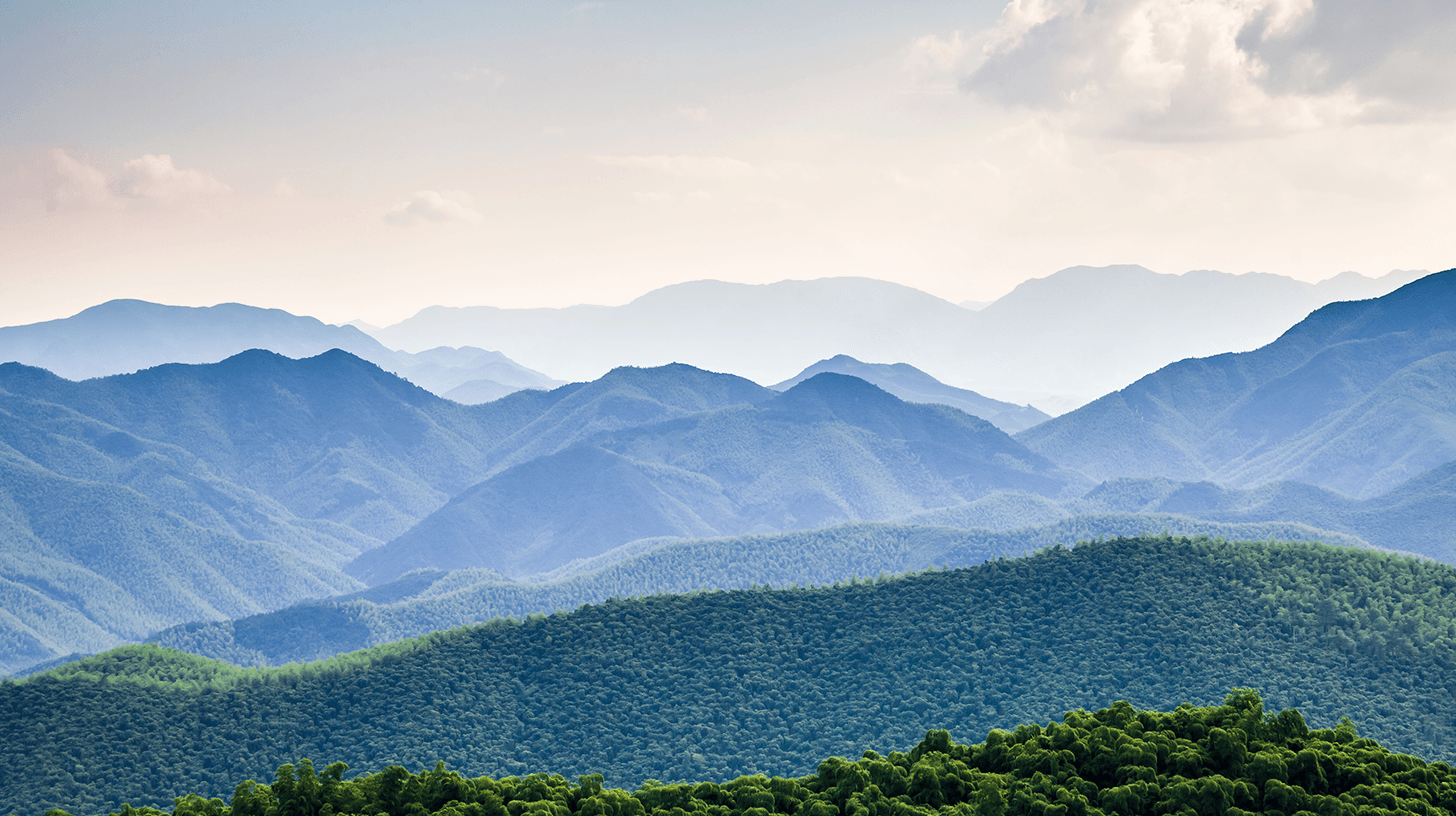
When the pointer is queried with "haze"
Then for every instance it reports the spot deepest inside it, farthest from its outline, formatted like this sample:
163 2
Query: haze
363 161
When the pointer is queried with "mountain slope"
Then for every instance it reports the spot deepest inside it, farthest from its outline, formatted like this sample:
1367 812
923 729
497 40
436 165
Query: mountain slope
330 437
715 685
831 449
1357 398
913 385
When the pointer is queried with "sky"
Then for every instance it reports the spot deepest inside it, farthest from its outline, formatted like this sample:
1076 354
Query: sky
366 160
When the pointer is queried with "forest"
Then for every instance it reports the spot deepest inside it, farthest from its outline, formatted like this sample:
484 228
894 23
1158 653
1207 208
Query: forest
717 685
1225 760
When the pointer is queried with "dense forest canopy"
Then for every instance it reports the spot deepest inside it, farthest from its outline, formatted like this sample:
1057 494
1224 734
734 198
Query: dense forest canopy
716 685
1225 760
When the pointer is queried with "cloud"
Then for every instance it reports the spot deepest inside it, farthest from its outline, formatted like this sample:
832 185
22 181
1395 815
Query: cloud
437 207
1208 69
934 63
653 198
156 178
63 181
698 114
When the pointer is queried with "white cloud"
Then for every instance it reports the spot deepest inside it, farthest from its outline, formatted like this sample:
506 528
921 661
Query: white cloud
437 207
652 198
156 178
935 63
1198 69
698 114
63 181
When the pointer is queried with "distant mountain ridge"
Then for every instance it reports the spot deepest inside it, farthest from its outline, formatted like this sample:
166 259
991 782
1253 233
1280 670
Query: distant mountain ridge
1358 397
124 336
1078 333
831 449
913 385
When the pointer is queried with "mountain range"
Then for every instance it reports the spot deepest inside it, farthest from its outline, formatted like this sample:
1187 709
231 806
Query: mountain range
1357 398
184 493
1055 342
124 336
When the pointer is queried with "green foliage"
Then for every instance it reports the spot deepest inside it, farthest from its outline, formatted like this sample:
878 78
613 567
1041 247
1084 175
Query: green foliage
813 558
719 685
1223 760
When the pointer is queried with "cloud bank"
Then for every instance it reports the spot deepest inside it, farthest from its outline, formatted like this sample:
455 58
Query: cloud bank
1211 69
63 181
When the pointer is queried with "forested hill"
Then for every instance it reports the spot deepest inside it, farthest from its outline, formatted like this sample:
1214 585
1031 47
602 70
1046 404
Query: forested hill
1228 759
710 686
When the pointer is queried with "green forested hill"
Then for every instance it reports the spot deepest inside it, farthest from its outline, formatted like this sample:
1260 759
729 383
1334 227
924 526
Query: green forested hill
1227 759
715 685
425 601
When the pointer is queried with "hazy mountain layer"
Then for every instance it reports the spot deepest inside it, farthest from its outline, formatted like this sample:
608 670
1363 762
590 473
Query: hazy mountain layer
104 537
428 600
1358 397
913 385
1078 333
123 336
330 437
832 449
711 686
1418 517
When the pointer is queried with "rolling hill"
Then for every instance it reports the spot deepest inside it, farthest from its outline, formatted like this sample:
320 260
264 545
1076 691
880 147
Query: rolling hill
424 601
831 449
711 686
1358 398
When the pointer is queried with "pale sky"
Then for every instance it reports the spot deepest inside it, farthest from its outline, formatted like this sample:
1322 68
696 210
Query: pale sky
365 160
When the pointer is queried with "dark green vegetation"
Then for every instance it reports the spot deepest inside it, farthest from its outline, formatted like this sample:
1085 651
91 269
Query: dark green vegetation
716 685
829 450
913 385
424 601
1118 761
1358 398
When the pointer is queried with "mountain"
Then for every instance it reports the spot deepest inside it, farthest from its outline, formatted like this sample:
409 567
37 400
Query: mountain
424 601
1060 340
123 336
1418 516
831 449
1334 769
712 686
136 502
330 437
1358 398
913 385
105 536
